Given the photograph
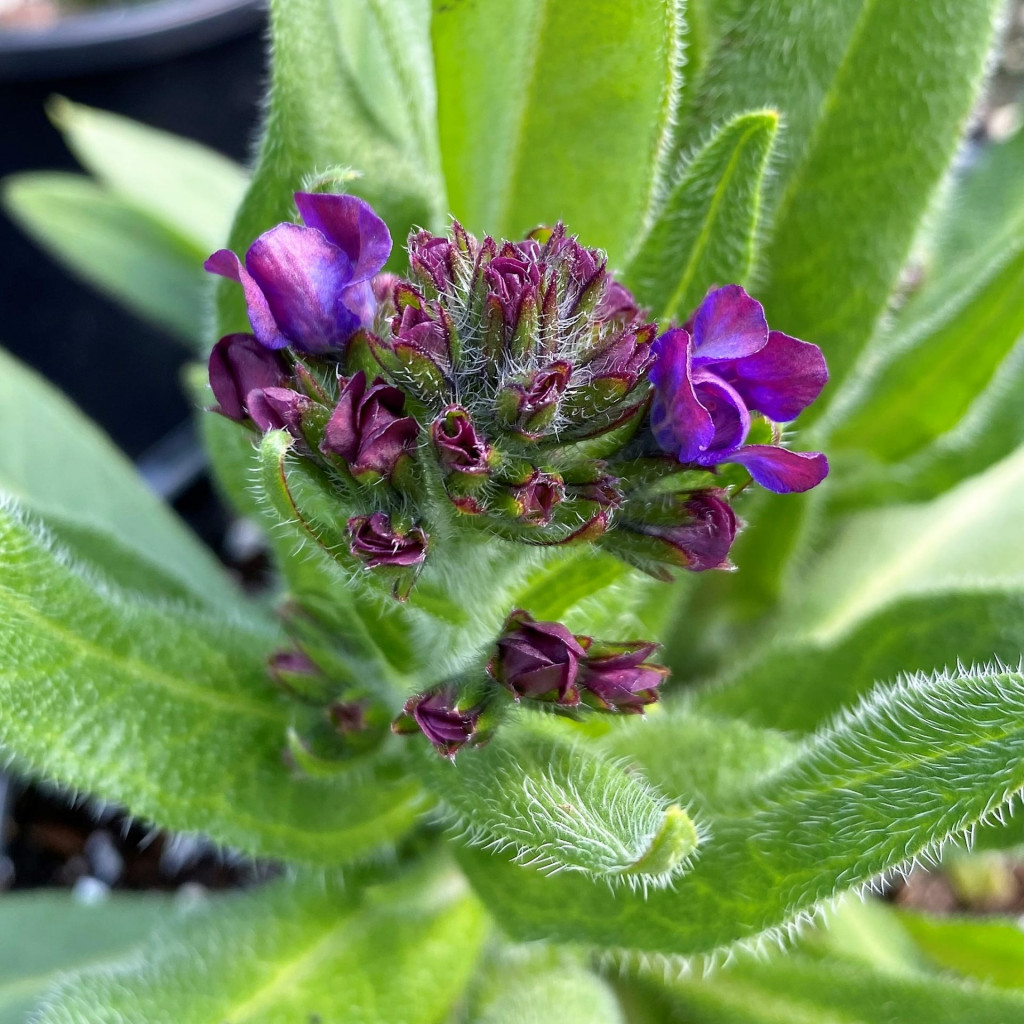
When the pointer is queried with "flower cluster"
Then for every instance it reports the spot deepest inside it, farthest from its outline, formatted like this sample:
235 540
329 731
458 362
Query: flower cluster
514 386
537 661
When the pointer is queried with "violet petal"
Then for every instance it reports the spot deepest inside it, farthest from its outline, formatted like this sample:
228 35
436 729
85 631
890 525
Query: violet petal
226 264
729 324
351 224
779 469
681 425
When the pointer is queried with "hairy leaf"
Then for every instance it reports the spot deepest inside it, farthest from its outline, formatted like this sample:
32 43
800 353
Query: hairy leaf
918 762
518 88
796 686
559 806
169 712
44 933
704 233
191 189
794 990
885 554
114 244
305 951
63 466
320 122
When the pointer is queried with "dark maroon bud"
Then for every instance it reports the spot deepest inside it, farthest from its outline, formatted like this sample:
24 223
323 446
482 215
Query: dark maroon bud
617 304
703 536
240 364
538 497
433 259
618 677
604 492
627 357
297 675
368 428
278 409
438 716
347 716
511 283
538 660
375 542
384 287
460 449
531 406
415 327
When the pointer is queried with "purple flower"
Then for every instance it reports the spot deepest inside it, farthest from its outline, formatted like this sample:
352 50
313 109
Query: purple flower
538 660
240 364
368 428
375 542
702 537
460 449
309 287
618 677
705 385
438 716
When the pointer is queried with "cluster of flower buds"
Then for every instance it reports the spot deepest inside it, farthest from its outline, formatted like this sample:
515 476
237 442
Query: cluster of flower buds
537 661
512 388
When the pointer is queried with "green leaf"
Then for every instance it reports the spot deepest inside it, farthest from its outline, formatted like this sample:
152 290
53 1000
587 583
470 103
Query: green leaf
44 933
186 186
114 245
704 233
888 122
560 806
524 986
962 539
794 990
60 464
991 951
308 951
796 686
169 712
319 119
518 88
921 761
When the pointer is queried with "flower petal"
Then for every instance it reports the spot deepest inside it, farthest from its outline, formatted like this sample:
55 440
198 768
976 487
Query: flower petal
728 413
349 223
729 324
779 469
304 279
781 379
225 263
681 425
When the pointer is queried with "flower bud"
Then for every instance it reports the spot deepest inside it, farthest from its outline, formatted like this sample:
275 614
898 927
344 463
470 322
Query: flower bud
368 428
278 409
538 660
530 406
460 449
240 364
538 497
618 677
375 542
438 716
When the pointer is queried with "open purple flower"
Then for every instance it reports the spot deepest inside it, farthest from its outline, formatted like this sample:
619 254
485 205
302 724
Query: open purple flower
706 384
309 287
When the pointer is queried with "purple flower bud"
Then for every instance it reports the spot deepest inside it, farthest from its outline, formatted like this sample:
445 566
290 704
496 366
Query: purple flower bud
347 716
438 716
703 536
433 259
538 660
617 677
511 283
460 449
617 304
278 409
368 428
538 497
240 364
288 666
531 405
375 542
309 287
415 327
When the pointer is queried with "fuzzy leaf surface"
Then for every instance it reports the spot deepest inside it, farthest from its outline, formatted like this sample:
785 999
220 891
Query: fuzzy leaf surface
704 233
400 951
319 119
59 463
918 762
167 711
560 806
518 87
115 245
190 188
43 934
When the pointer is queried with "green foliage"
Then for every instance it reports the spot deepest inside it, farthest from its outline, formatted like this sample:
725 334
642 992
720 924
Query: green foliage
557 806
45 933
168 711
303 951
519 88
704 233
920 761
